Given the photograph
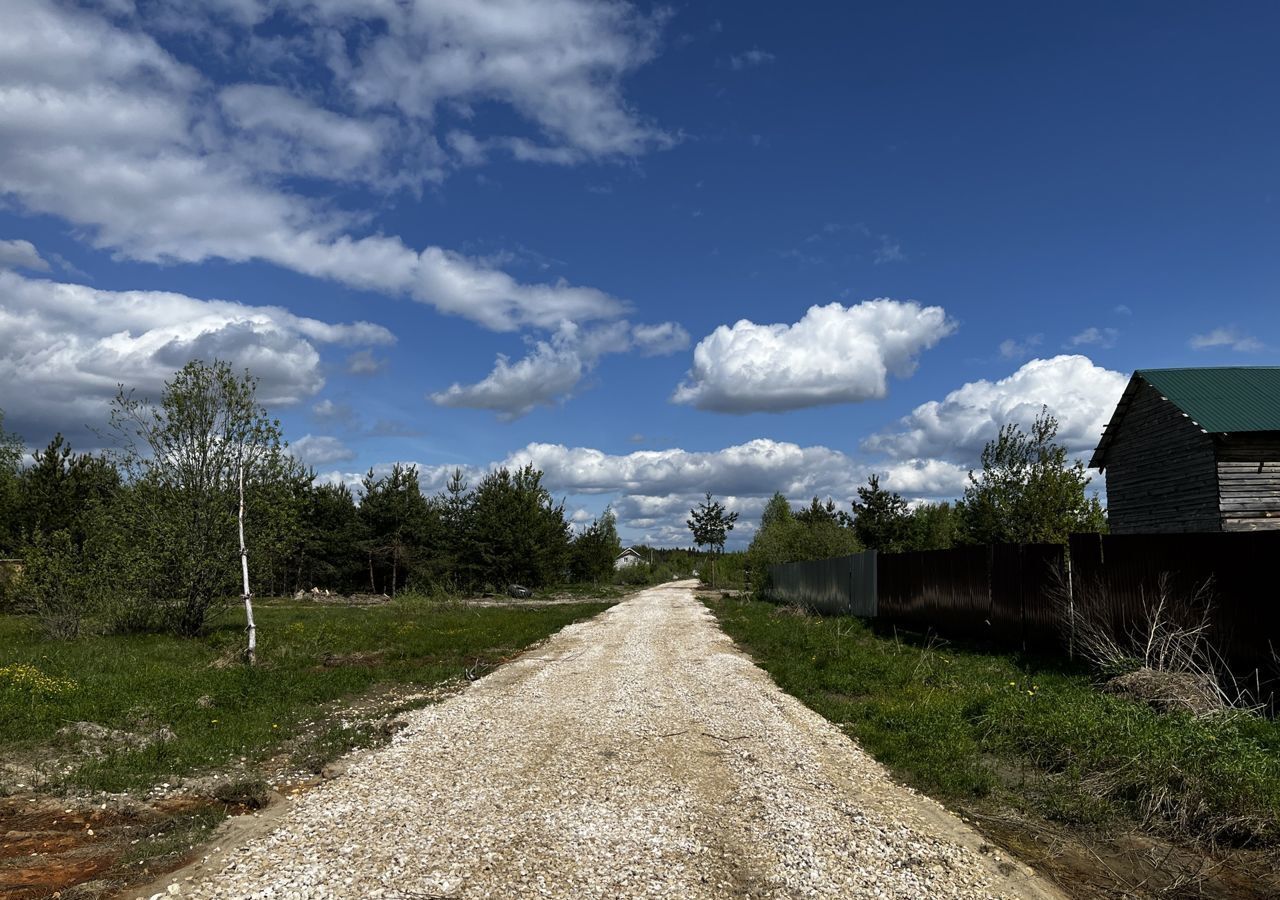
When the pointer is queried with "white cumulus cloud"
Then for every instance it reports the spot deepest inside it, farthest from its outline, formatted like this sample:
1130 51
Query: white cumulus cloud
1079 393
65 348
20 254
834 354
554 367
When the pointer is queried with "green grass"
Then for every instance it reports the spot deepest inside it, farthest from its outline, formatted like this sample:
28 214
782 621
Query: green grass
138 683
972 726
581 591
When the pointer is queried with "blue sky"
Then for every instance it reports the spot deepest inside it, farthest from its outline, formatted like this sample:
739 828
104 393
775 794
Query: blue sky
652 249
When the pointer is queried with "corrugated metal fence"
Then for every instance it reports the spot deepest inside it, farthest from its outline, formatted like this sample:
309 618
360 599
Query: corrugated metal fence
1003 592
1230 578
842 585
1028 595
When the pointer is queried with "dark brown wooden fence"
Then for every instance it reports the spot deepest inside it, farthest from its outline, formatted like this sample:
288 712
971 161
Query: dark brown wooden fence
1005 592
1022 594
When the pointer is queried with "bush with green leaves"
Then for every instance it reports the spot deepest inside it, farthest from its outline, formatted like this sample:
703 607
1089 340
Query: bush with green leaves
595 550
58 584
816 532
1028 491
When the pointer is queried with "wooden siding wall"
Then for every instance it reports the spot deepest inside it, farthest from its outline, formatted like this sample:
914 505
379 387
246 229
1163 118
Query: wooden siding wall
1249 481
1161 471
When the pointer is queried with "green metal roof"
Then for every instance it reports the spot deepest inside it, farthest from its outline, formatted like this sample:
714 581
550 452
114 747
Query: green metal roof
1219 400
1240 398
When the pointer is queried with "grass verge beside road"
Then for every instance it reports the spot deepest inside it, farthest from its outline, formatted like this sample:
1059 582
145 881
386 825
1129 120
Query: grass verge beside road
1010 736
208 707
119 754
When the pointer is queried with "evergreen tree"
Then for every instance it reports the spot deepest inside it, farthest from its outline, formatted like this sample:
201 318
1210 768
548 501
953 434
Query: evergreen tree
61 490
330 555
403 529
277 509
455 510
594 551
710 524
519 533
881 519
11 450
777 512
817 513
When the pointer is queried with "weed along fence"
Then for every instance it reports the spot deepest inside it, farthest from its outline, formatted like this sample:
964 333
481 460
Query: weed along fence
1033 595
1118 578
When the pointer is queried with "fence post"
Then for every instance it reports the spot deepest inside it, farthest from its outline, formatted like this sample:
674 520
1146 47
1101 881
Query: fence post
1071 607
848 589
991 595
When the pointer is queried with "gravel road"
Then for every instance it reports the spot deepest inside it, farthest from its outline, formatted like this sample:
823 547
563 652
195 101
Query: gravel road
638 754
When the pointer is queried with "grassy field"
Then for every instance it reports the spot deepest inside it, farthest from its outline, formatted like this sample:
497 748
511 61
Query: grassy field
1021 734
211 708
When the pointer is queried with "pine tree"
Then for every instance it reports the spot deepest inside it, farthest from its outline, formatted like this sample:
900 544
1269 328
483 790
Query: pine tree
403 529
710 524
11 449
880 518
594 551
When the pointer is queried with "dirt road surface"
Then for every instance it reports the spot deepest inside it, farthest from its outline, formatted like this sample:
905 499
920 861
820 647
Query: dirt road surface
638 754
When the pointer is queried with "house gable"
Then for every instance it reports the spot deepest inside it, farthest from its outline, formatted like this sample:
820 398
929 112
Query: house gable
1160 466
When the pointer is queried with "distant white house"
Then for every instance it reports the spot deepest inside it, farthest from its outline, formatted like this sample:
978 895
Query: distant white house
627 558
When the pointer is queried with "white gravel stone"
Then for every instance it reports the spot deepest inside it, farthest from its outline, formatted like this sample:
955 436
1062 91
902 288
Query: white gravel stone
638 754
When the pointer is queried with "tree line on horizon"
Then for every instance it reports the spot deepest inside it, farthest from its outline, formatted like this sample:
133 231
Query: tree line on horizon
143 536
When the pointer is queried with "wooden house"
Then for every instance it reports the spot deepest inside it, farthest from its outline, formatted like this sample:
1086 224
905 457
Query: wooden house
1194 450
627 558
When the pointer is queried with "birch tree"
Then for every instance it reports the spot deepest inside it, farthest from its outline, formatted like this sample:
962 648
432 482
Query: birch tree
1029 489
190 460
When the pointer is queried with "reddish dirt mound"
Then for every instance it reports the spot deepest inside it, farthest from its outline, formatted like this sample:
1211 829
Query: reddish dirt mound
48 845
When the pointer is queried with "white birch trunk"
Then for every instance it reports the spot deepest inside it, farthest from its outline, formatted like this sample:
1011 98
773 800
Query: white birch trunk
244 570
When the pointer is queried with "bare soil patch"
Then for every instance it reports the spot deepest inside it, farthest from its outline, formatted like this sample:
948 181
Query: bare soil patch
84 848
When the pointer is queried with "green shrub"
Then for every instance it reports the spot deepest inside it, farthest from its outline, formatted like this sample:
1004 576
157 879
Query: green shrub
57 585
